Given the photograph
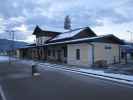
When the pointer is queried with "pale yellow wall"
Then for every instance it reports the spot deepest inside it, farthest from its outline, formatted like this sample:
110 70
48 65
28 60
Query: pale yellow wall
85 54
100 53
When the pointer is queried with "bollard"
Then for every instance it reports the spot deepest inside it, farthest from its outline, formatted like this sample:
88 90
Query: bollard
35 72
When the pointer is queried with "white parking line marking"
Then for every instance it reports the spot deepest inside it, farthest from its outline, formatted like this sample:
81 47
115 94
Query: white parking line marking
2 93
122 82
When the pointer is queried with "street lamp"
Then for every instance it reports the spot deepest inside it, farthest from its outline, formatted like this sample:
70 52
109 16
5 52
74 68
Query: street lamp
11 46
131 33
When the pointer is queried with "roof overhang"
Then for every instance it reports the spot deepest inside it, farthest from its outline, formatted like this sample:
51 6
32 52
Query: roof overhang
102 39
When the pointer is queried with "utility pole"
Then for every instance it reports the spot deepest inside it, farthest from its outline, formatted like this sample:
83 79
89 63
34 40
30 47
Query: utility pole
11 44
131 35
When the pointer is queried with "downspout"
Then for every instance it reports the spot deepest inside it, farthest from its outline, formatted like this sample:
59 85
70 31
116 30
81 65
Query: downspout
46 53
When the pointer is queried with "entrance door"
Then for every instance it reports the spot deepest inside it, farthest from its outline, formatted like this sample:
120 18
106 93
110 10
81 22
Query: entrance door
59 55
90 55
109 56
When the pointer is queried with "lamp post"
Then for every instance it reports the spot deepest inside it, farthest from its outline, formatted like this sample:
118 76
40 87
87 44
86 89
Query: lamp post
131 35
11 45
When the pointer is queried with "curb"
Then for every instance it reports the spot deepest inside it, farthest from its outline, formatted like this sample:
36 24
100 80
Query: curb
101 76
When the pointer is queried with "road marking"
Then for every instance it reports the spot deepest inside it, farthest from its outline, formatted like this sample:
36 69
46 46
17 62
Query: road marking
117 80
2 93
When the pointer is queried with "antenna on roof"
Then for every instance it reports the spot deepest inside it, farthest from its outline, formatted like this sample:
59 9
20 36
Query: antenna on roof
67 23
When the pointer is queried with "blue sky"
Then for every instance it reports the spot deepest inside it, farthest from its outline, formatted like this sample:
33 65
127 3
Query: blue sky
103 16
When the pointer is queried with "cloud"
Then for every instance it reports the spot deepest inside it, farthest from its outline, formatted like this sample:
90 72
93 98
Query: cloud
2 26
21 28
26 14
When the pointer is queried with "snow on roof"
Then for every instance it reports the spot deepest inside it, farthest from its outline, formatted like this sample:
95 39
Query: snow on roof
78 40
127 46
68 34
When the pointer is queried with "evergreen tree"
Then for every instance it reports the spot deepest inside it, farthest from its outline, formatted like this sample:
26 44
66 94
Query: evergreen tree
67 23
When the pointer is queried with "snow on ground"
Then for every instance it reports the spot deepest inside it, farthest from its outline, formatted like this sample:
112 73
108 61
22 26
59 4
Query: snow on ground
101 72
4 58
128 79
29 62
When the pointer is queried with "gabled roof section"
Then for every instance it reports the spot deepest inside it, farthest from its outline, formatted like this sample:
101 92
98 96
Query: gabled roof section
67 34
39 32
103 39
75 34
86 32
111 39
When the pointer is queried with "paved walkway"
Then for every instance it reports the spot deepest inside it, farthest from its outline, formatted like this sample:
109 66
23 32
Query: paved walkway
57 84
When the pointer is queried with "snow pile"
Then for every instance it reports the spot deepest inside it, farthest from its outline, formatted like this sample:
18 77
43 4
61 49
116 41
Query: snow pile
126 79
110 75
6 58
3 58
29 62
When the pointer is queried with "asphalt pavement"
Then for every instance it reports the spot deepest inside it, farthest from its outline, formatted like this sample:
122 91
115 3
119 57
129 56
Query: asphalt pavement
52 84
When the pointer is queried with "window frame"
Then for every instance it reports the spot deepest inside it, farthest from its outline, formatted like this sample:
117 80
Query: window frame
53 52
77 54
49 52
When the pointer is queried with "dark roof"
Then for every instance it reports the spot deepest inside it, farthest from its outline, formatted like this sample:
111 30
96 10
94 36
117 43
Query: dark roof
84 34
129 43
74 34
109 39
65 34
104 39
39 32
127 48
33 44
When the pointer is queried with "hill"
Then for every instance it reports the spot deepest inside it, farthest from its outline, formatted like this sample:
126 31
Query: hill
9 44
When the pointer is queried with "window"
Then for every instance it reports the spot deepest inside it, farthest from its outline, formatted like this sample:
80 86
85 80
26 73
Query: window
107 47
40 41
37 41
49 53
122 55
53 53
65 51
78 54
